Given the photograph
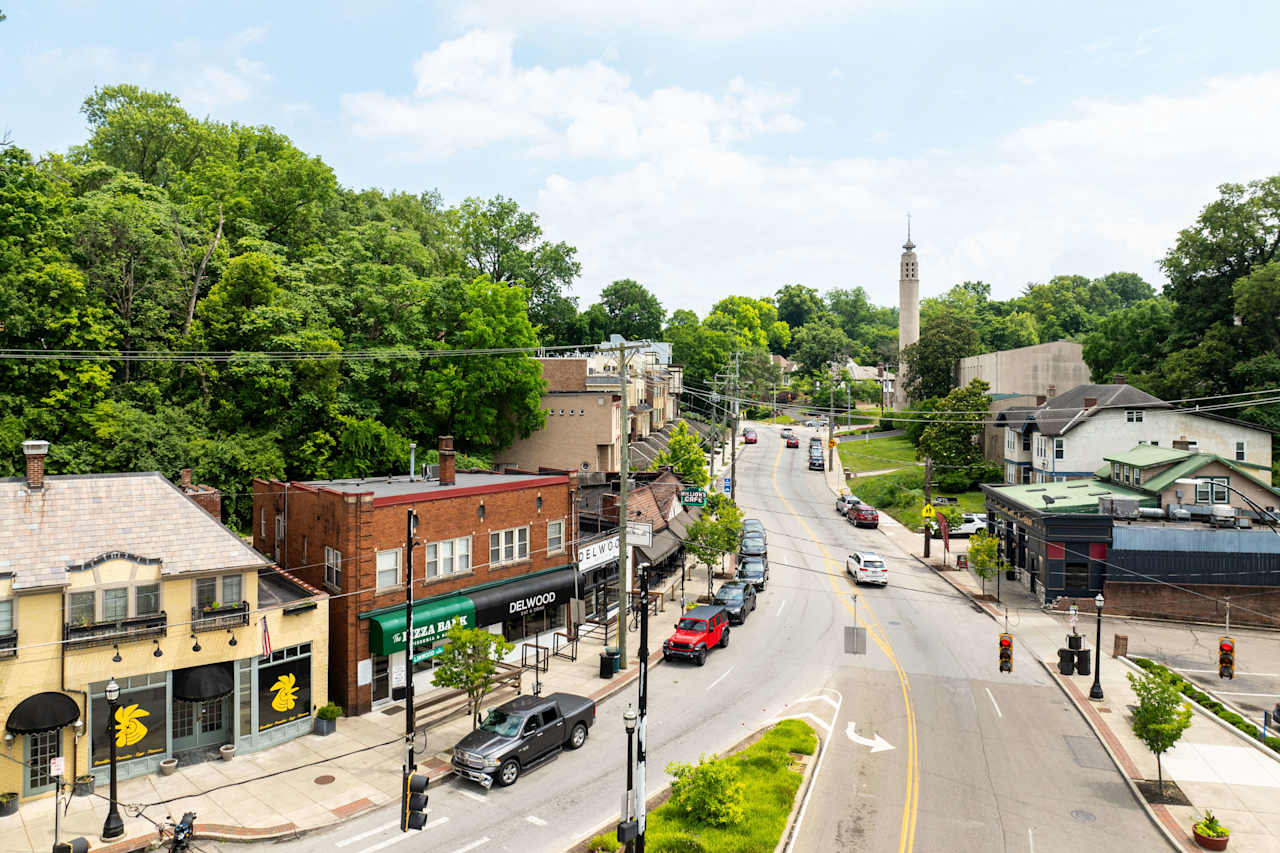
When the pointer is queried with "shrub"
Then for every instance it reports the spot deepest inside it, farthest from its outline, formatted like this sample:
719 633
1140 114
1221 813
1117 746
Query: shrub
603 843
329 711
675 842
708 791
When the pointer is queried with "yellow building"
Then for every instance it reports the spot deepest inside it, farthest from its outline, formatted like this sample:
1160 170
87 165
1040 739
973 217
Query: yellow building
126 577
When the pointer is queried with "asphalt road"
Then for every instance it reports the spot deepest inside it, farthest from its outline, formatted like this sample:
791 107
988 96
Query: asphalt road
977 762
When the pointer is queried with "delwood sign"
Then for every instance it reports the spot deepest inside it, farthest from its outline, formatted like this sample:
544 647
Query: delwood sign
598 553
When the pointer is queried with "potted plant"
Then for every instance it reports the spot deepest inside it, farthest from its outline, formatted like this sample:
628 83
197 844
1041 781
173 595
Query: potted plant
228 751
8 804
168 766
1210 834
84 785
327 719
213 605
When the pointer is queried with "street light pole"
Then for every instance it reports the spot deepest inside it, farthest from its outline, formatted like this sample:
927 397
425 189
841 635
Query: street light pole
113 826
641 736
1095 692
629 720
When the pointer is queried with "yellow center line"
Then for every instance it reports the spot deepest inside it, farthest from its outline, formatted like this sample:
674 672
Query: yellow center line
911 799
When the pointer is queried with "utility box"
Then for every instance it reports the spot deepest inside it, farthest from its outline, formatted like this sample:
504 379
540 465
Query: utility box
1082 662
1121 647
1067 661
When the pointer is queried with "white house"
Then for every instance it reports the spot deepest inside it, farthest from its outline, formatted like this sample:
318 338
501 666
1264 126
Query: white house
1068 436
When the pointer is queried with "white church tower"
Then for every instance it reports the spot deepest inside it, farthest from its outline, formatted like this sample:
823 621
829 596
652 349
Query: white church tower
908 313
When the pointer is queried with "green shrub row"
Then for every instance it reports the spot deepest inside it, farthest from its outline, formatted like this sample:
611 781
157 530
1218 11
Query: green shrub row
1204 700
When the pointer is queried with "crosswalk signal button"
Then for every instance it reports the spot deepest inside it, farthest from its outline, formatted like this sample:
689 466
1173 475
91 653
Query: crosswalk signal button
1006 653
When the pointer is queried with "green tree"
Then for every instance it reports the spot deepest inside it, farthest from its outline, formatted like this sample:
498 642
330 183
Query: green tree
469 663
930 362
1160 717
1132 340
146 133
951 438
1256 296
818 344
798 305
702 350
715 534
633 311
684 455
983 548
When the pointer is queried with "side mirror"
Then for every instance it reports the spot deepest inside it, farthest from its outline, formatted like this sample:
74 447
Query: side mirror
676 626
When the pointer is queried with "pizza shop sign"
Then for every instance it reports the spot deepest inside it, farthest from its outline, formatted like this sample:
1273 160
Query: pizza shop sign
432 630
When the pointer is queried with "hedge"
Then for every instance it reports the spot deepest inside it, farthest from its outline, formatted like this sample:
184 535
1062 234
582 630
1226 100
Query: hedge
1204 700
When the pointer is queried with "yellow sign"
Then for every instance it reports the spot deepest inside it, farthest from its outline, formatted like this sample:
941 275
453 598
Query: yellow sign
129 727
927 512
831 442
288 692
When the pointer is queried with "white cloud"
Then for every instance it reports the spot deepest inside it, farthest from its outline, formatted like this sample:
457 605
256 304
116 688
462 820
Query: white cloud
250 35
1026 79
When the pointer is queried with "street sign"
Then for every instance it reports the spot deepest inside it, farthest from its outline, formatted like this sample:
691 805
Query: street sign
728 485
831 443
927 512
427 654
693 497
639 533
57 766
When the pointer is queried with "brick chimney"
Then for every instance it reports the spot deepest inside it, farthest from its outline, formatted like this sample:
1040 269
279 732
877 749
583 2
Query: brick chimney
186 478
609 505
448 467
1119 379
35 452
1040 399
1051 391
1090 402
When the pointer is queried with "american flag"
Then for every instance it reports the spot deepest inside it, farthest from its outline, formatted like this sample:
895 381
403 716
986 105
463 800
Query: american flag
266 639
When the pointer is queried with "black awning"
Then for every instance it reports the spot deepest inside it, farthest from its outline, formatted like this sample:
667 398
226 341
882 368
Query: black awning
200 683
42 712
496 603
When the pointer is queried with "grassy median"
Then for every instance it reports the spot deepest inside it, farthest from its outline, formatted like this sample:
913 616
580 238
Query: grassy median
877 454
735 804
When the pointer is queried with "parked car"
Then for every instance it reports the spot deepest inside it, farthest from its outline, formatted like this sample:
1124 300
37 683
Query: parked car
753 525
862 514
754 571
971 523
699 630
738 598
753 545
867 567
815 461
815 441
788 432
748 436
521 734
844 502
811 423
793 441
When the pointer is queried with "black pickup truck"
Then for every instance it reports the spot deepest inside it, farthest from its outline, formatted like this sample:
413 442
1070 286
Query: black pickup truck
522 734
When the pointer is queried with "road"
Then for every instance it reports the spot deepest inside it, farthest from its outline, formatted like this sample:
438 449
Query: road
977 763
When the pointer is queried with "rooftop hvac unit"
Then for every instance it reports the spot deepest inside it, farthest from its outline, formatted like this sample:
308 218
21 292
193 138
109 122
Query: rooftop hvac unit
1150 512
1222 515
431 472
1105 506
1125 507
1177 513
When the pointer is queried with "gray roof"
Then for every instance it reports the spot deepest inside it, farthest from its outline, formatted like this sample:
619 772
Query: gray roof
76 519
1019 418
1062 413
400 484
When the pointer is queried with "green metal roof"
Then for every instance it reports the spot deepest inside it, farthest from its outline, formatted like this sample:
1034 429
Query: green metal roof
1071 496
1147 454
1194 463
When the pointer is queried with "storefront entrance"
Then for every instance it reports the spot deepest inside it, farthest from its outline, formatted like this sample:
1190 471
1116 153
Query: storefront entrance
201 725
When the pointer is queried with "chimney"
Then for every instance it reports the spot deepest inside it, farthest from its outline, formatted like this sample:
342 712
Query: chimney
35 451
413 446
186 479
448 467
609 505
1051 391
1090 402
1040 398
1181 444
1119 379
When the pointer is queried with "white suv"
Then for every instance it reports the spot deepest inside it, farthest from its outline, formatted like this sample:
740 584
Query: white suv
970 523
867 567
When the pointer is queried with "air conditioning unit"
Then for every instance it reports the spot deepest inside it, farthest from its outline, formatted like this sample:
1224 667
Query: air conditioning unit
1222 515
1125 507
1177 513
431 472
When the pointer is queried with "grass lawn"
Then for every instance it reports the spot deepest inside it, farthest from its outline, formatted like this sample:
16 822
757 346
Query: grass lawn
877 454
770 784
901 495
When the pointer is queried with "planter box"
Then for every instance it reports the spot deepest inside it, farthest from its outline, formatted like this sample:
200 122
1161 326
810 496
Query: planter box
228 751
84 786
9 806
325 727
1211 843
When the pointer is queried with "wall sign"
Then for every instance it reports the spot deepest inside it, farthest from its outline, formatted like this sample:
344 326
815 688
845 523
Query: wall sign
284 692
140 727
598 553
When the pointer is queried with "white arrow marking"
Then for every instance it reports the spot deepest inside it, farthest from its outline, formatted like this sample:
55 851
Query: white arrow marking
877 745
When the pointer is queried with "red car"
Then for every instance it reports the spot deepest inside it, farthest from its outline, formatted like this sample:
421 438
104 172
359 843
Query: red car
860 515
748 436
793 441
699 630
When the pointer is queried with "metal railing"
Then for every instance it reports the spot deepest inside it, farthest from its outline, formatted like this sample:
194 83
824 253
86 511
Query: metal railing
116 631
606 631
561 641
226 616
9 644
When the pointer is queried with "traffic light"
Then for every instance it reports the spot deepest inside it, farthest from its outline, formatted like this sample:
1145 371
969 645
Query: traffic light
1006 653
413 802
1226 657
75 845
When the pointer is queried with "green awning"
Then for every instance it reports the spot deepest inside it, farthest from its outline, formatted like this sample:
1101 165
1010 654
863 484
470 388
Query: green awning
431 619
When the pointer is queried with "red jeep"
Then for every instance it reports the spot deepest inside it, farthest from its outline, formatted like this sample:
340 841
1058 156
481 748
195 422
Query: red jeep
702 628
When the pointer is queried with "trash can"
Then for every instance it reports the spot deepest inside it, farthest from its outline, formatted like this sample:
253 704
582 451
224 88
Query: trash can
606 665
615 656
1075 641
1066 661
1082 662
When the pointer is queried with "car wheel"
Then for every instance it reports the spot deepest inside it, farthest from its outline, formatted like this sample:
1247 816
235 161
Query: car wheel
509 772
702 657
665 657
578 736
724 638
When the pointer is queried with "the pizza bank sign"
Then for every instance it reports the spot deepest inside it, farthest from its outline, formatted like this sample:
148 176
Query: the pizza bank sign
433 630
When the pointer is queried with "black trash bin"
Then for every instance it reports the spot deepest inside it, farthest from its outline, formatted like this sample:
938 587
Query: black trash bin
1082 662
615 656
1066 661
606 665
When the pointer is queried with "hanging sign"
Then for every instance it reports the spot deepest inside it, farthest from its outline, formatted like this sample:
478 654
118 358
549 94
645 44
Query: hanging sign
693 497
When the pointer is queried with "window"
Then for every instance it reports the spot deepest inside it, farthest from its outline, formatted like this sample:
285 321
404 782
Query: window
115 604
462 553
1058 448
388 568
1193 446
1124 474
1155 444
1055 550
448 557
231 590
6 617
262 523
80 608
332 567
433 559
1239 451
206 592
146 600
507 546
1026 441
42 747
1133 416
1214 490
1008 439
555 536
1137 476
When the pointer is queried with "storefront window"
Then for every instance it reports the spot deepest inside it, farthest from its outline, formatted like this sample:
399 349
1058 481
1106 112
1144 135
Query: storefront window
528 625
245 697
42 747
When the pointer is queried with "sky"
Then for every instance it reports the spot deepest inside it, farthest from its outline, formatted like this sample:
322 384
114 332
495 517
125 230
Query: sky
726 146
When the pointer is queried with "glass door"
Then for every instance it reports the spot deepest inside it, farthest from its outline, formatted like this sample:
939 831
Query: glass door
201 724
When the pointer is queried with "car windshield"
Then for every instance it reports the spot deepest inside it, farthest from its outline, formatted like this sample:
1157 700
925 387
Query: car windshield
502 723
729 595
692 625
751 570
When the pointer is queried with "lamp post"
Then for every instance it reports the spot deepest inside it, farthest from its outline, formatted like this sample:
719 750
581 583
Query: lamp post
1095 692
113 826
629 718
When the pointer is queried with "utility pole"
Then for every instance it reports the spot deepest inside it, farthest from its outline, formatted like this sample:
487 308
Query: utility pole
642 730
411 528
831 423
928 500
624 557
773 404
711 460
733 441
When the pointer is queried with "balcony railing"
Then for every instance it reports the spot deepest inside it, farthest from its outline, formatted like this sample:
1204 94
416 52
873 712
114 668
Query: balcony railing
116 631
225 616
8 644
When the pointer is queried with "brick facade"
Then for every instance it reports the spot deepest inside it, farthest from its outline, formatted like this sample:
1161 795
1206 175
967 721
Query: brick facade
1197 602
348 517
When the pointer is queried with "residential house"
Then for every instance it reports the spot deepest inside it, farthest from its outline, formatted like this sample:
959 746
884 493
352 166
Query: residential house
125 577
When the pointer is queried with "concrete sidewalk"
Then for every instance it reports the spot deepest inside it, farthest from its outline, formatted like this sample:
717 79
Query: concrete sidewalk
311 782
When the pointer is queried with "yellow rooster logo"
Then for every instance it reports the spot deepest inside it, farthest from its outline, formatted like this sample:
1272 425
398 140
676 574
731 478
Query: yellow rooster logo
286 692
129 727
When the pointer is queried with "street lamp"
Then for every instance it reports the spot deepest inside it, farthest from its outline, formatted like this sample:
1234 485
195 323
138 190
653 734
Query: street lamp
1095 692
113 827
627 830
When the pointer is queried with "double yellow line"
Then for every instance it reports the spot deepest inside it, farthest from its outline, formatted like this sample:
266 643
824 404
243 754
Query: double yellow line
907 839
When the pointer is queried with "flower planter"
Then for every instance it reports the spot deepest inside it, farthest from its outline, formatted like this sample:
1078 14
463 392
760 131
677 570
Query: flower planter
167 766
228 751
84 785
325 727
8 805
1209 843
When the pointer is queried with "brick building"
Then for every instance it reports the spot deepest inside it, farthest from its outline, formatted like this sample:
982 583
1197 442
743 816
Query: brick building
494 550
